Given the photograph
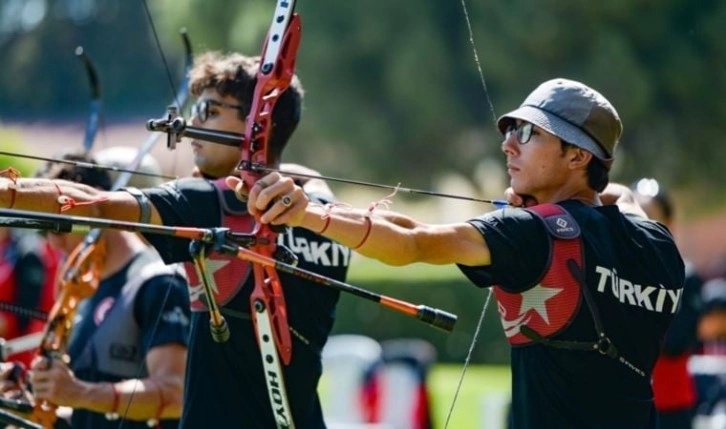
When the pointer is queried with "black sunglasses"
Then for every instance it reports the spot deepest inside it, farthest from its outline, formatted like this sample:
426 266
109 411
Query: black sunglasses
523 132
200 109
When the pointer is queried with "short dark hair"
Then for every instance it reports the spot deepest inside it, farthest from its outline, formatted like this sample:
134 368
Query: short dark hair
598 175
236 75
91 176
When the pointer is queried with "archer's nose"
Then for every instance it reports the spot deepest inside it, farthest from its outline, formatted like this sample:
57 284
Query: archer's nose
509 144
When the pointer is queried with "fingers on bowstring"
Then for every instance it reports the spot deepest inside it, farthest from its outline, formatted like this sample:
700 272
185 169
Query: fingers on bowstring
518 200
512 198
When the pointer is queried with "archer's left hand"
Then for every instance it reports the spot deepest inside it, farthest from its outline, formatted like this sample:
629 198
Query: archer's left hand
54 382
275 198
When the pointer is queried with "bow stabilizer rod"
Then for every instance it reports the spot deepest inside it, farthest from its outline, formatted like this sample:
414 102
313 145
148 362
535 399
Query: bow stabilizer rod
434 317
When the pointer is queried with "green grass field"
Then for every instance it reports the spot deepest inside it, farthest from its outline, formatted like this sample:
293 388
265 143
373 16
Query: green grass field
482 384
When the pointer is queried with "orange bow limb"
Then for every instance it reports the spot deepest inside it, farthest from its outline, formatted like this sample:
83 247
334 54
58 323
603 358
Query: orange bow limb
81 275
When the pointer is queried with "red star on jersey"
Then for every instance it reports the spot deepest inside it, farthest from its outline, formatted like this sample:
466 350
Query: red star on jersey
545 309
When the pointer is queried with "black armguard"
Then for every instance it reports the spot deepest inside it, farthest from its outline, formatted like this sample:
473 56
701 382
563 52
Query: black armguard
144 203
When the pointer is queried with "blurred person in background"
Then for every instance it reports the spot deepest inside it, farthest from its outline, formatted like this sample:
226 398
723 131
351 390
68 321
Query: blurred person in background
122 157
709 367
712 323
28 269
674 387
127 349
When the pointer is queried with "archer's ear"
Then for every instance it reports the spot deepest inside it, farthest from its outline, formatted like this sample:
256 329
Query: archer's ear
579 157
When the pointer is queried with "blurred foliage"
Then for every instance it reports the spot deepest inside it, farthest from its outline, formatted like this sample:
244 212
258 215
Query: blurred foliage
393 92
10 142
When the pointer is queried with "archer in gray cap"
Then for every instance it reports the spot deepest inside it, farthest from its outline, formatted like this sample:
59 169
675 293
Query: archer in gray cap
579 122
574 112
585 289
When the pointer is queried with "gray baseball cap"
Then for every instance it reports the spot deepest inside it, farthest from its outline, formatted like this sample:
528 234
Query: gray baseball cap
575 113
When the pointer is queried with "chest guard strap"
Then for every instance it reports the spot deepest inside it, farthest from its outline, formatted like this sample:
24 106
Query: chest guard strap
550 306
552 216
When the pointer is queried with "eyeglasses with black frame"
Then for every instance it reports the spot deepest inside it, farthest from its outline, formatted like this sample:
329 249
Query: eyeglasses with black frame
200 109
523 132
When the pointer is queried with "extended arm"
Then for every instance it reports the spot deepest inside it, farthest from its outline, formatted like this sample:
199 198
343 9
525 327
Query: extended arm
49 196
390 237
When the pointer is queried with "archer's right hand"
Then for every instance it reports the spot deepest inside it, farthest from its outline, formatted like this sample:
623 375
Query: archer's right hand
518 200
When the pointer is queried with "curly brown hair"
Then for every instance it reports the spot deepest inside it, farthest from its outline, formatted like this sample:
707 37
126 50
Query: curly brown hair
235 75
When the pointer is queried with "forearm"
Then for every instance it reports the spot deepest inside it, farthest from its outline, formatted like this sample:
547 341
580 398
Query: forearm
134 399
386 236
54 196
43 195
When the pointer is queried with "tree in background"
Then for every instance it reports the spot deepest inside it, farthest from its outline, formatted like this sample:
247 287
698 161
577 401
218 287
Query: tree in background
393 92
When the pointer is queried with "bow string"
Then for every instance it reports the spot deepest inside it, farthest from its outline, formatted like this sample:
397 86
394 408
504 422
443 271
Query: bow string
480 322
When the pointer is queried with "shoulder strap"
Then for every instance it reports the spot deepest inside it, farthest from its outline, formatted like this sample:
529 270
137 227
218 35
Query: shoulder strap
562 226
559 223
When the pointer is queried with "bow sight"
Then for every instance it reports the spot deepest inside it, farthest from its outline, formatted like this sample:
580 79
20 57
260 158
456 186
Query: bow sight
176 127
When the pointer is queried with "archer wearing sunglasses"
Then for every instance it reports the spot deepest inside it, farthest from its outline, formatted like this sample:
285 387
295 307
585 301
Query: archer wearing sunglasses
586 285
217 112
205 108
225 385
